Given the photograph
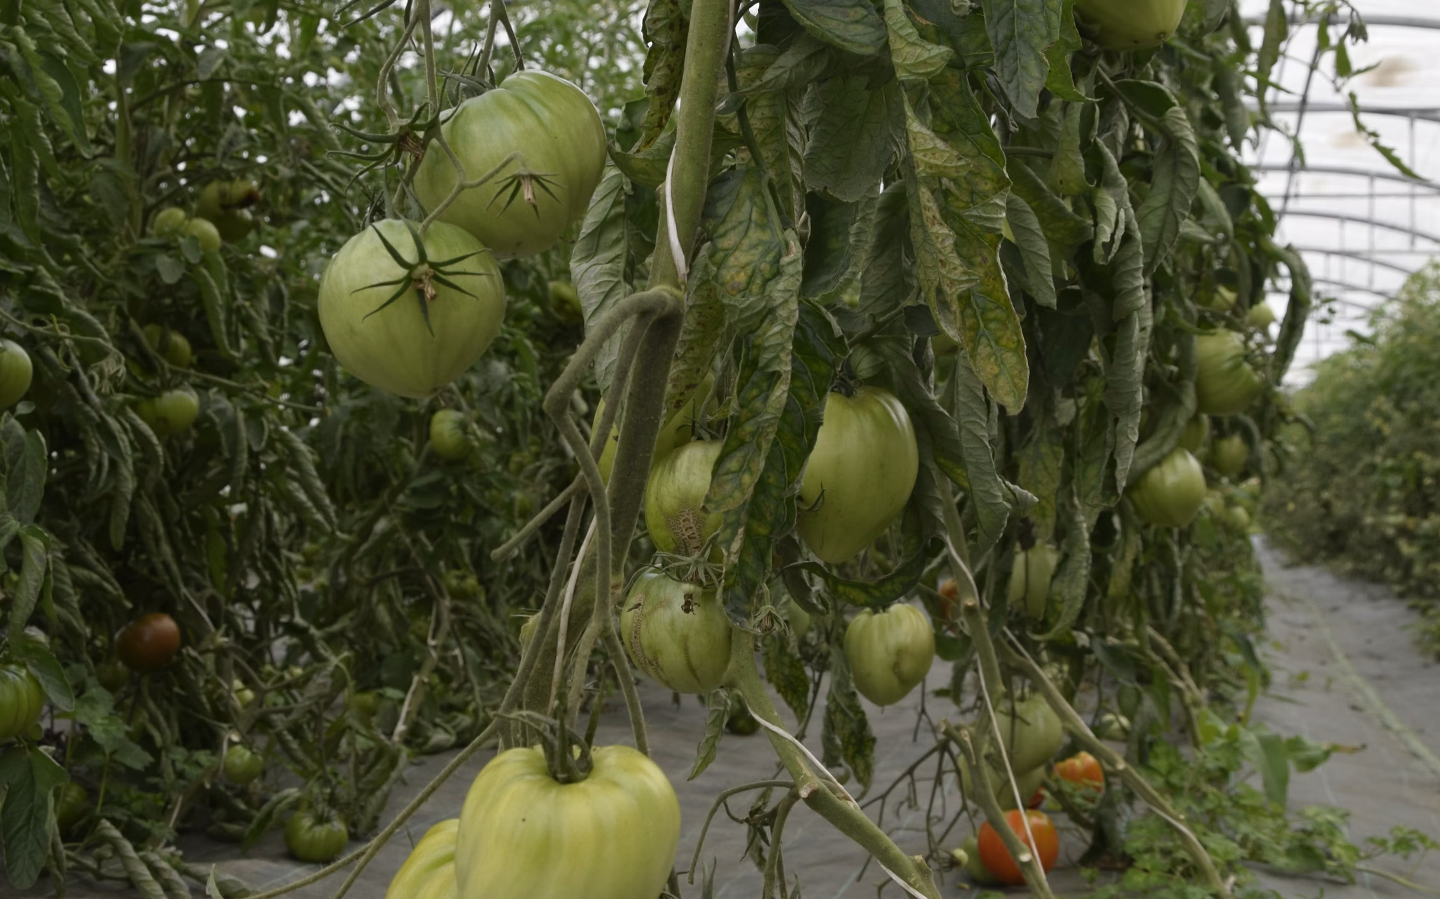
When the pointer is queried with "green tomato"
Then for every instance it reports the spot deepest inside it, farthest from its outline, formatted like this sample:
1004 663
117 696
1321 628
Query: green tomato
399 348
462 584
113 675
242 766
429 872
1030 576
203 231
523 835
678 430
1131 24
21 701
1228 455
221 197
171 412
1169 494
1196 433
559 137
235 226
1225 384
968 857
1031 731
565 303
316 838
1112 727
72 804
799 619
676 633
168 222
1028 781
243 694
675 495
169 345
860 473
1221 299
740 721
449 435
1260 317
889 653
16 373
1239 518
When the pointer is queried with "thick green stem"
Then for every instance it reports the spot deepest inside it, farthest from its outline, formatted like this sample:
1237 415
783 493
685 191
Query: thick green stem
824 796
1116 764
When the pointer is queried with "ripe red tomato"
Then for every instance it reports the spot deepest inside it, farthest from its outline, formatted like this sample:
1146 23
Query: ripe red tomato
950 599
1038 799
149 643
1082 770
996 857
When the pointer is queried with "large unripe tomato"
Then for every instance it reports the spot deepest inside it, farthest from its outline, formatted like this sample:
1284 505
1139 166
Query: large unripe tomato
1170 494
429 872
21 701
172 346
860 474
410 347
676 633
561 140
1112 726
448 435
227 204
204 231
16 372
168 222
1028 782
997 858
523 835
1225 384
171 412
1030 578
149 643
1131 24
112 674
890 652
72 803
1229 454
316 837
1082 770
678 431
565 303
243 766
1196 433
1260 317
675 496
1030 729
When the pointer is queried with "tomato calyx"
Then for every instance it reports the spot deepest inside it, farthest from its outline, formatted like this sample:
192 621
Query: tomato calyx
523 183
421 275
567 753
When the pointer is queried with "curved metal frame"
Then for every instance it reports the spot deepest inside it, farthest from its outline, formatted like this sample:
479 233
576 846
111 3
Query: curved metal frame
1362 220
1350 254
1342 170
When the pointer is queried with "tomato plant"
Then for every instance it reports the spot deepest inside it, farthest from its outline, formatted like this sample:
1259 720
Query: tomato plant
316 837
889 652
1041 838
610 835
541 142
21 701
676 632
860 473
149 643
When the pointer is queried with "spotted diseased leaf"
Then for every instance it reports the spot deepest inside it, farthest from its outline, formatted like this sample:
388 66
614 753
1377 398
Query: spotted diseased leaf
851 25
1174 179
786 673
747 243
775 118
915 58
855 137
1021 31
1063 228
1041 459
846 737
1072 578
828 251
957 196
665 30
887 276
1034 250
987 490
714 729
1125 373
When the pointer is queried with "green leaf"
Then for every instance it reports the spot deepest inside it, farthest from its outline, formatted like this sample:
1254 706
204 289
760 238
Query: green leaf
34 566
887 275
1034 250
853 141
1062 227
31 775
827 252
1125 373
1073 576
914 58
851 25
879 593
846 737
28 461
1060 81
1268 753
719 702
1277 29
1021 31
1041 458
647 167
987 491
597 263
43 664
1174 179
1067 167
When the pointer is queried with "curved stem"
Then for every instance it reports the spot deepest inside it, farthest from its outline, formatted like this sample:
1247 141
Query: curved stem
720 801
911 872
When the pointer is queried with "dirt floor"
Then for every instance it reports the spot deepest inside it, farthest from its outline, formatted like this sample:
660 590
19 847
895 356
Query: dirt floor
1346 671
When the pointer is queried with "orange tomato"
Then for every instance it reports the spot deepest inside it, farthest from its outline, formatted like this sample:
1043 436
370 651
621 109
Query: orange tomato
1082 770
997 858
950 599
